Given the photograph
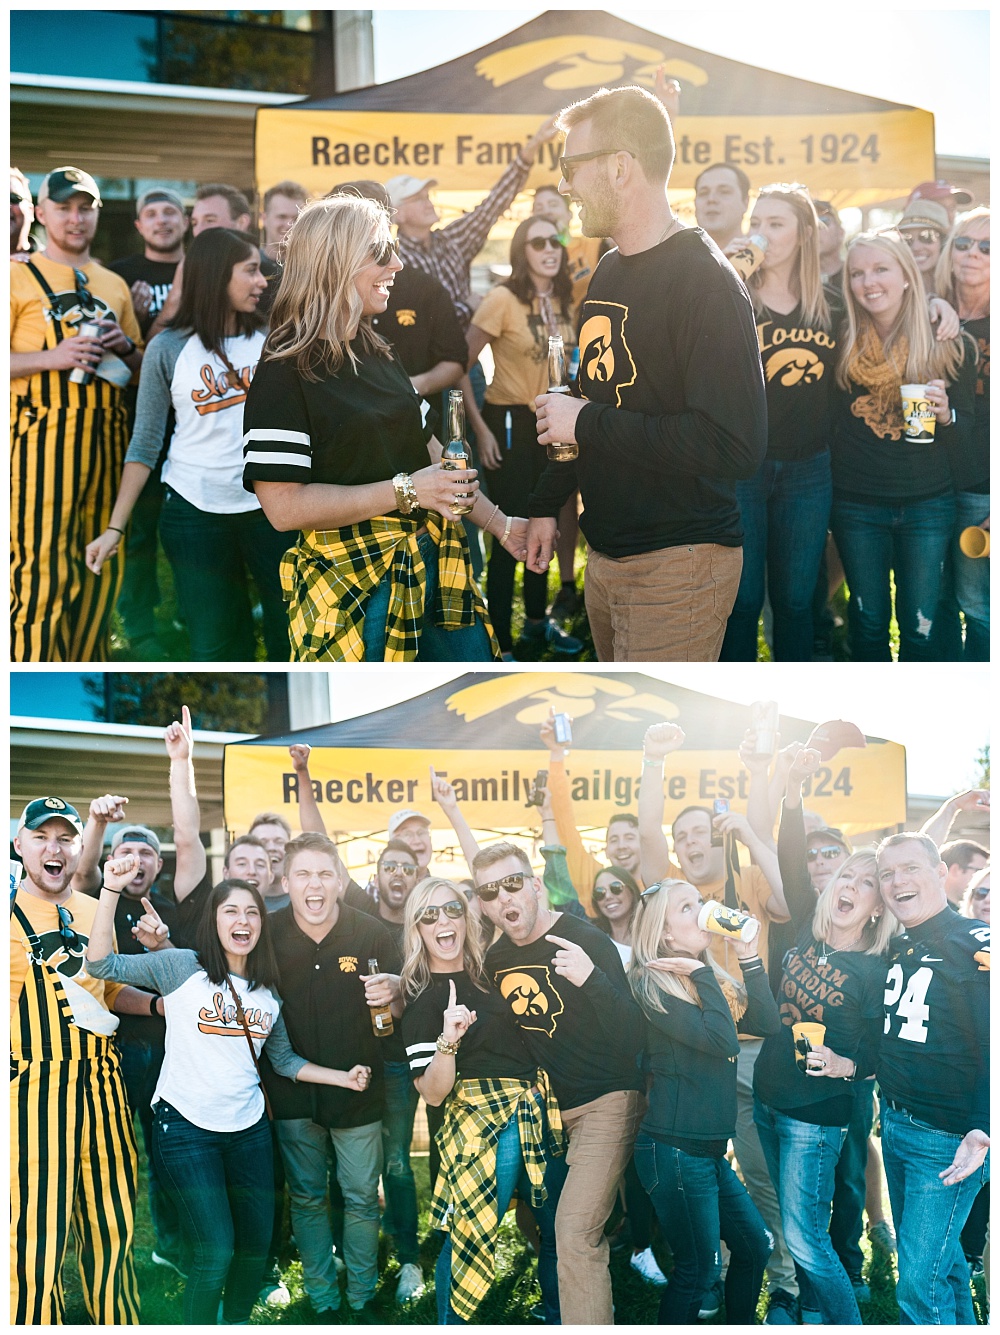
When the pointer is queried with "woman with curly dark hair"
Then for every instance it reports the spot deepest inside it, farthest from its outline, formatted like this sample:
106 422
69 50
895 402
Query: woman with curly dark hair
516 319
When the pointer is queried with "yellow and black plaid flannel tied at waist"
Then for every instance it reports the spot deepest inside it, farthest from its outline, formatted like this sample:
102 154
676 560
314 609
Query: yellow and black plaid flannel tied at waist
328 576
465 1197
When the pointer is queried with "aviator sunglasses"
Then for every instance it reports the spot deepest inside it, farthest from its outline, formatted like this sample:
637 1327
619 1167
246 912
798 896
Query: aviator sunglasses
453 909
385 255
827 853
407 868
511 884
600 892
926 235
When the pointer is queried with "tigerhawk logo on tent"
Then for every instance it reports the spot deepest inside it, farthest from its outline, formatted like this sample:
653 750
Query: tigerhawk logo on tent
576 696
585 62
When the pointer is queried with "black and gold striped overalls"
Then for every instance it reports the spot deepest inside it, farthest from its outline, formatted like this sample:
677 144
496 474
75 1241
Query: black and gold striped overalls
72 1155
68 447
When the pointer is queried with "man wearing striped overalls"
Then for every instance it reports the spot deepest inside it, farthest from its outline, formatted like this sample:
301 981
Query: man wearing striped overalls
68 427
73 1158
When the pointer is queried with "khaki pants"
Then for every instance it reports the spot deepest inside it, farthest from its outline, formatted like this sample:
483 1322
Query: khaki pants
668 606
601 1136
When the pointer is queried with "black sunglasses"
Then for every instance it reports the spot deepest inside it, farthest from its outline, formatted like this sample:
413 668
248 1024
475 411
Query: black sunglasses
385 255
407 868
83 296
541 243
567 166
66 927
511 884
964 243
602 891
925 234
453 909
981 892
828 853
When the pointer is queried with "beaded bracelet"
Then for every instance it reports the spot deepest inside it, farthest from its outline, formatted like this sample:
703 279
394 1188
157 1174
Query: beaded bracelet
449 1049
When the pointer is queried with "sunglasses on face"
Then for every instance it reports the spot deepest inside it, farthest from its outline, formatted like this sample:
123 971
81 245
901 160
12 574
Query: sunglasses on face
541 243
828 853
925 234
512 884
383 255
601 891
69 937
964 243
407 868
981 893
453 909
568 166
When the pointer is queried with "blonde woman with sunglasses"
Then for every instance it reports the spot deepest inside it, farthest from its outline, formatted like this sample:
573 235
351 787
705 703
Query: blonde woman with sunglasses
501 1123
335 448
692 1009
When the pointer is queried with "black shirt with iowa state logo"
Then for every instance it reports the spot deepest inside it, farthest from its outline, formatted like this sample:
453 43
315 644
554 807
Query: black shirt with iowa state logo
799 358
327 1017
587 1038
934 1058
677 411
491 1049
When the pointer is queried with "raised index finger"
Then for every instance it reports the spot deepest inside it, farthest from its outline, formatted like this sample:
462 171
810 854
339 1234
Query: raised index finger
148 907
451 993
561 941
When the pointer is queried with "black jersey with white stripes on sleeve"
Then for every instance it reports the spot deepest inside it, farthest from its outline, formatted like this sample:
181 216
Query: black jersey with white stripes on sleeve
934 1058
492 1047
360 425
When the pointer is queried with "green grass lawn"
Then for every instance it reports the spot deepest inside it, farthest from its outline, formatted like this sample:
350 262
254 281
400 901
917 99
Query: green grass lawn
510 1301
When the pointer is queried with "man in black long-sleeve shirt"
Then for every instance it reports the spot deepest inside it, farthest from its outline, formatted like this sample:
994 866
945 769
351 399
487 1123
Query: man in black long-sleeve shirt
564 982
673 411
934 1078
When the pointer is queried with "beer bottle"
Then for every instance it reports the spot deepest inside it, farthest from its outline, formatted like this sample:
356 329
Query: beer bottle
456 453
559 384
381 1015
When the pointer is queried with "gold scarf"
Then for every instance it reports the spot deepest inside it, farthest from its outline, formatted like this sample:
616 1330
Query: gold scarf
881 409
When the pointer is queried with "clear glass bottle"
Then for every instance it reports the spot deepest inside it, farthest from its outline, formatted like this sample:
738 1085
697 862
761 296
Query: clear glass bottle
456 452
381 1015
559 384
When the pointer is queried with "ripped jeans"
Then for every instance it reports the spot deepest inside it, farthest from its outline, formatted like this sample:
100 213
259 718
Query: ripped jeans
910 540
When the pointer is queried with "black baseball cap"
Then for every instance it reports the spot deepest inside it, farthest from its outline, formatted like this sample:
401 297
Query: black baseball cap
36 813
65 182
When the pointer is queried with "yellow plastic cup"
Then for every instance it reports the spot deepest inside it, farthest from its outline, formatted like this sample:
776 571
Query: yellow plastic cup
806 1036
974 541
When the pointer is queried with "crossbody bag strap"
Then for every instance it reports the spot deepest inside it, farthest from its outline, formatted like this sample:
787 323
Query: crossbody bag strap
253 1053
42 282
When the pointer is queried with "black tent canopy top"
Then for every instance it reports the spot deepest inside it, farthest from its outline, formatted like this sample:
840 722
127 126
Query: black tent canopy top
565 54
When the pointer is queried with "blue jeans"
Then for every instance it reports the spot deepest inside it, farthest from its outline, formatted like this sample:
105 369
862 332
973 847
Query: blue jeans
698 1202
468 644
847 1222
222 1184
400 1217
933 1286
511 1176
971 577
912 542
785 508
141 1062
802 1160
212 556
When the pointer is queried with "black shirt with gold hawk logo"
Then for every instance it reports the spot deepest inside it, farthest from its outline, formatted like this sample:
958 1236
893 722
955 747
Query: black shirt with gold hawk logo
800 361
420 323
588 1038
327 1017
677 411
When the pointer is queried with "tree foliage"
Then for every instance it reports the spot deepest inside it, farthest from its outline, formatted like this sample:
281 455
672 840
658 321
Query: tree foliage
218 701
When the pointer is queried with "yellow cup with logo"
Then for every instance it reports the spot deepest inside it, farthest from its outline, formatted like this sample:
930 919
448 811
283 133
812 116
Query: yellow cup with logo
974 541
806 1035
918 415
